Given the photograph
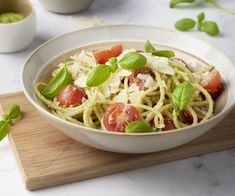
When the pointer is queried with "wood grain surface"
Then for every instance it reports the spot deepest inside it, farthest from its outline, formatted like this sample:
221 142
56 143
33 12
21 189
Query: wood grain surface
47 158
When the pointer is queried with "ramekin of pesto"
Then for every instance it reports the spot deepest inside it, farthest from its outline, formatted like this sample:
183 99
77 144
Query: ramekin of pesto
11 17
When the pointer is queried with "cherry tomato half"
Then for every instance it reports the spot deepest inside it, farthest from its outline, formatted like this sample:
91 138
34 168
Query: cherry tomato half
71 96
133 79
102 56
169 124
119 115
213 84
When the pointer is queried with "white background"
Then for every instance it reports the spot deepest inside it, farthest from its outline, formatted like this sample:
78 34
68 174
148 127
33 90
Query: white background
212 175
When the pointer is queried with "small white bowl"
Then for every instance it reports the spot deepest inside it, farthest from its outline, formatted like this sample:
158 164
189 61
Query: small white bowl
66 6
39 64
18 35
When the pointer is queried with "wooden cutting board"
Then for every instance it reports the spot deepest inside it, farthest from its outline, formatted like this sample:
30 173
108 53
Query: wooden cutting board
48 158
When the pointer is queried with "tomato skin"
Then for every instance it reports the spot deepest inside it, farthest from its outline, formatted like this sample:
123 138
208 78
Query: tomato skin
119 115
186 117
102 56
71 96
214 85
133 79
169 124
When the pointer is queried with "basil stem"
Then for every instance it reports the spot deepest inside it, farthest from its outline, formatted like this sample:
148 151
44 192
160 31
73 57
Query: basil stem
181 96
58 82
185 24
138 127
173 3
98 75
148 47
132 60
5 123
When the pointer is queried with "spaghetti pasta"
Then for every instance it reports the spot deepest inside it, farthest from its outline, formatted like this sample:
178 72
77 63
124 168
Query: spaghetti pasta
148 91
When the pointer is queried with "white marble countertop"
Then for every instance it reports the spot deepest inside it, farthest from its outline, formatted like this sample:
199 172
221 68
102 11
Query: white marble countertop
212 174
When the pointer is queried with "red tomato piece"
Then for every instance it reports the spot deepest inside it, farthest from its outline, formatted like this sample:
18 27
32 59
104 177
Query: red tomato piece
119 115
169 124
213 84
102 56
71 96
133 79
186 117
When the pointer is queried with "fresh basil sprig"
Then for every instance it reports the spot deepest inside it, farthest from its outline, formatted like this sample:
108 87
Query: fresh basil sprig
98 75
209 27
181 96
5 123
132 60
138 127
174 3
148 47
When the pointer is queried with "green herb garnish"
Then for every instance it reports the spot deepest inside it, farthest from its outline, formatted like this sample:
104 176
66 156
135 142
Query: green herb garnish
181 96
113 64
5 123
185 24
132 60
138 127
98 75
174 3
148 47
209 27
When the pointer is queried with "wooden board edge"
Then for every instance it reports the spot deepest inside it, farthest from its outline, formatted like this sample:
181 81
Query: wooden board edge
52 181
19 163
11 94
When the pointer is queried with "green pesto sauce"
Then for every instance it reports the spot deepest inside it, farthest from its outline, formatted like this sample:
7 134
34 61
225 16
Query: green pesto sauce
11 17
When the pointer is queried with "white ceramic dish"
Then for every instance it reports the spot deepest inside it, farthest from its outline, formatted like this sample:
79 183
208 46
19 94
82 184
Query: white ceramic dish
17 36
66 7
121 142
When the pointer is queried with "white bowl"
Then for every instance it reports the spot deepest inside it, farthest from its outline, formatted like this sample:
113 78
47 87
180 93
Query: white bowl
66 6
17 36
122 142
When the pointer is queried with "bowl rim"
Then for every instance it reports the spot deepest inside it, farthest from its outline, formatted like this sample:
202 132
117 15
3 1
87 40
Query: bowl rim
23 20
98 131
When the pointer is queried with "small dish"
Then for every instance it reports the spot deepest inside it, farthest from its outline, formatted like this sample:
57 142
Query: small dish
66 7
18 35
45 57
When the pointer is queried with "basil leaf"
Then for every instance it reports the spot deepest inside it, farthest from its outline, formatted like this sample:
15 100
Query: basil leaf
164 53
113 64
173 3
181 96
14 112
138 127
210 27
98 75
132 60
148 47
185 24
58 82
201 17
4 129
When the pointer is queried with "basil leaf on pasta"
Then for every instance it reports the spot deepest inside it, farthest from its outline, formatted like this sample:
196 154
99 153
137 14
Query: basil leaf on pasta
132 60
181 96
58 82
138 127
98 75
148 47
